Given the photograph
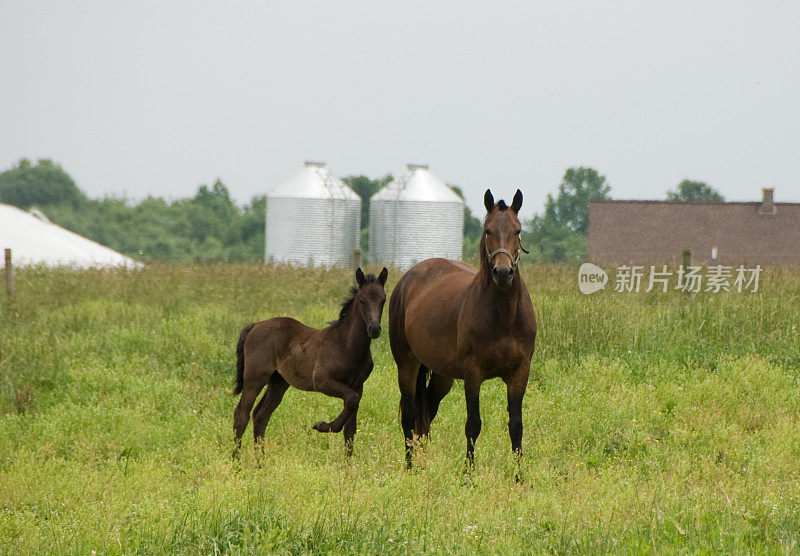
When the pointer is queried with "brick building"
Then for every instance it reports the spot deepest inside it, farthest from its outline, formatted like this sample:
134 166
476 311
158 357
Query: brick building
653 232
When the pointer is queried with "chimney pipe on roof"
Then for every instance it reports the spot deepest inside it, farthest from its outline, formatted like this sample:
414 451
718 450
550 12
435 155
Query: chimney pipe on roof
767 201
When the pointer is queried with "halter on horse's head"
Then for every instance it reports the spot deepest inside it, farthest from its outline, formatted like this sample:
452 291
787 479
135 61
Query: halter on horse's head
501 240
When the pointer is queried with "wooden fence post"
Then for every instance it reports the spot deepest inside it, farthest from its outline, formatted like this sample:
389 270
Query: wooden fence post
686 259
356 258
9 276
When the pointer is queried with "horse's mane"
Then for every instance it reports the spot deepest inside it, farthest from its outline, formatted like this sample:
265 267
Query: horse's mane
348 302
484 258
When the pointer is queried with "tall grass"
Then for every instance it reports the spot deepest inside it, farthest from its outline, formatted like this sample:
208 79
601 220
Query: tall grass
652 422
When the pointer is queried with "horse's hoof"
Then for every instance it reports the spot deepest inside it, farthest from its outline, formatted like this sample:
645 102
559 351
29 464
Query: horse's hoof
322 426
469 467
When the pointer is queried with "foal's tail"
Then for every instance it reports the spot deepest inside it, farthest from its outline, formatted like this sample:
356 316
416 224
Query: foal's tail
240 358
422 427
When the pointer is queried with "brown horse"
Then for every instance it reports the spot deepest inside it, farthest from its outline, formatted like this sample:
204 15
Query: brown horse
282 352
453 321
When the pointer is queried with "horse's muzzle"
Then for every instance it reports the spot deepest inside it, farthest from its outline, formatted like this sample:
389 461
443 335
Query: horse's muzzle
374 330
503 276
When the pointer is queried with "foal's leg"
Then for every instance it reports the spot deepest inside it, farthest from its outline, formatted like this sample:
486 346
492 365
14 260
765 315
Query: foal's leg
349 431
241 415
332 387
472 428
275 390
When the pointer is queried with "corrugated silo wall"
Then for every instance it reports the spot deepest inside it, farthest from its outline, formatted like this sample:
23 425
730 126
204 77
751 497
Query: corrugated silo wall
422 230
381 231
298 231
355 222
346 226
311 232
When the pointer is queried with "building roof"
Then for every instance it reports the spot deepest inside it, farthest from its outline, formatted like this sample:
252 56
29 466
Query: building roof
417 184
35 240
685 203
653 232
314 181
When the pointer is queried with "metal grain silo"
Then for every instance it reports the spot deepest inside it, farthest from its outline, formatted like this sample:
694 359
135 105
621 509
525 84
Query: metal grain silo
415 217
313 219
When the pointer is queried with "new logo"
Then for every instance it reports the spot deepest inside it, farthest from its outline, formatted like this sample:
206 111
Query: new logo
591 278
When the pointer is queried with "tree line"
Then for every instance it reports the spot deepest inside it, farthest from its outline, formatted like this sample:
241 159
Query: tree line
211 227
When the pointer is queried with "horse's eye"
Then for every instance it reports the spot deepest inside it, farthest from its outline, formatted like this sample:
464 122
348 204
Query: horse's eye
517 232
488 233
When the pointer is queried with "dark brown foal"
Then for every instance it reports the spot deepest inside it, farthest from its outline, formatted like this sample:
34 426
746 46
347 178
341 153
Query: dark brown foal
336 361
451 321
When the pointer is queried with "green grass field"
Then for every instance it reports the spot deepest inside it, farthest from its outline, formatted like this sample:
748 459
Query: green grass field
652 422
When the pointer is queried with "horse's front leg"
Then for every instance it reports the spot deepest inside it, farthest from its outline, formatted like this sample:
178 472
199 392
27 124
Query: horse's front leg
329 386
515 386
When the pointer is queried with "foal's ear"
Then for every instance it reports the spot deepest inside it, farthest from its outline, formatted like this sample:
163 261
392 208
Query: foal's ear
488 201
383 276
359 276
516 204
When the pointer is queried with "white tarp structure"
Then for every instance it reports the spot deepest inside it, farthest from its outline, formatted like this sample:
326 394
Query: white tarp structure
415 217
313 219
34 240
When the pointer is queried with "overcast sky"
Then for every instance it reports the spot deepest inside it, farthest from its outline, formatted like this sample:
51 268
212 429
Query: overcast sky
145 98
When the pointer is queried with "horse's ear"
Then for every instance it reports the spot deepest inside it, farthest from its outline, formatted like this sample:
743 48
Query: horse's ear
383 276
488 201
359 276
516 204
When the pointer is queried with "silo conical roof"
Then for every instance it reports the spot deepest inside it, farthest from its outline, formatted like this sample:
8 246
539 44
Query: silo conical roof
417 184
314 181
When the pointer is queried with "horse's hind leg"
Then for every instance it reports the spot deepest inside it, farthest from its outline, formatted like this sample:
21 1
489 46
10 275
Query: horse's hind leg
276 388
472 428
407 372
438 388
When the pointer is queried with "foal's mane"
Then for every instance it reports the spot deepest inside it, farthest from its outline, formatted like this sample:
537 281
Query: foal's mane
348 302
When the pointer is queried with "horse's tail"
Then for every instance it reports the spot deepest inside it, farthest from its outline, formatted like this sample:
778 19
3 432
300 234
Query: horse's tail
240 358
422 427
